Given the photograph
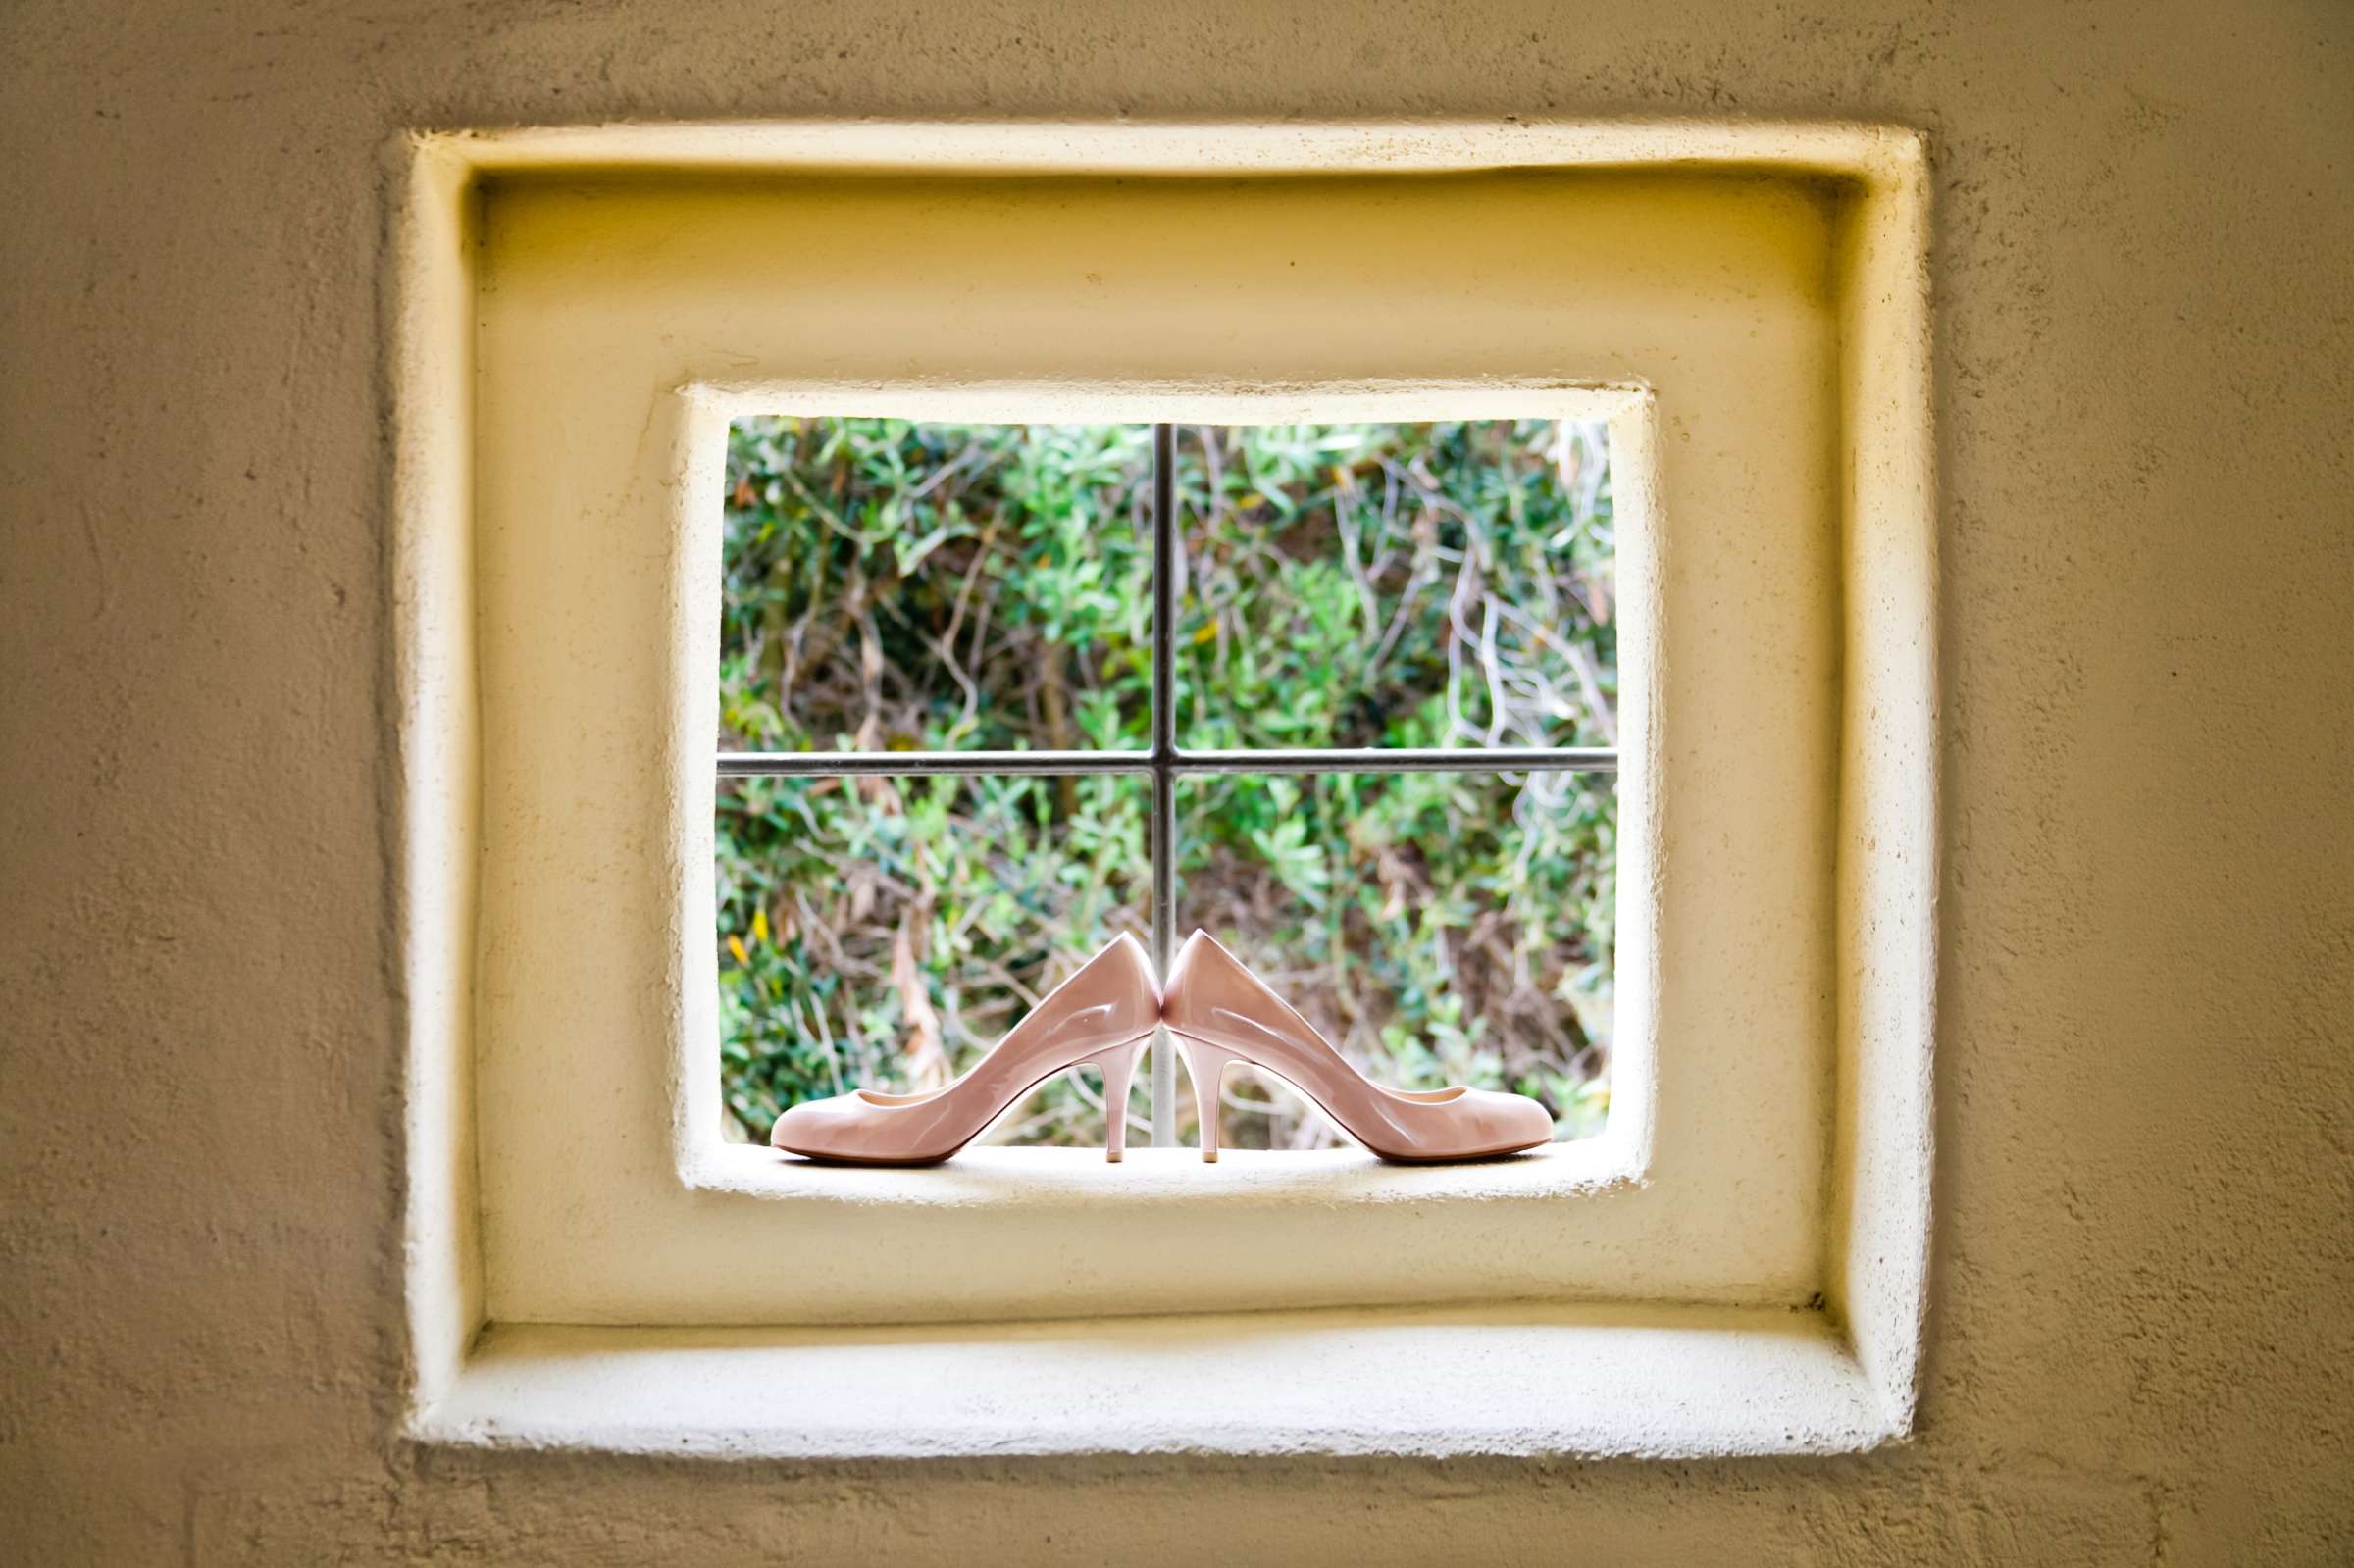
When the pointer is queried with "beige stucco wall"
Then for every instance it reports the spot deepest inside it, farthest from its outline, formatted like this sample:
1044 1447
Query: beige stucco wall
2145 1250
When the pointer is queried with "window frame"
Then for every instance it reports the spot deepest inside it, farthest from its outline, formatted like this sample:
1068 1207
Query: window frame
624 325
1847 1374
1165 762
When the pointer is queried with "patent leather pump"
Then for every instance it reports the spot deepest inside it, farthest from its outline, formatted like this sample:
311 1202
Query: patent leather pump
1219 1011
1104 1014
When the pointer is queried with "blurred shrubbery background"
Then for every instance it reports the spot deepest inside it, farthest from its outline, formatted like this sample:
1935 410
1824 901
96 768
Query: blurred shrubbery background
899 586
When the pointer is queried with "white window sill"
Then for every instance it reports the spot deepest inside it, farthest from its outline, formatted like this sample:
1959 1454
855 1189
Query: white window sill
1580 1383
1074 1177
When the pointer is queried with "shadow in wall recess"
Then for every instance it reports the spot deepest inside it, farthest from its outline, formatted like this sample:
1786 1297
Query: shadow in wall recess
1217 1012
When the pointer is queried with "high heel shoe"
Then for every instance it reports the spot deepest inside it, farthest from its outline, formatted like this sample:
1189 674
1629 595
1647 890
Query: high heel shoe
1219 1011
1104 1014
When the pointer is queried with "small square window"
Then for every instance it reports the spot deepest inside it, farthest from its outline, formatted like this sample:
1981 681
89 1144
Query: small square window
1439 927
903 587
1388 652
1446 583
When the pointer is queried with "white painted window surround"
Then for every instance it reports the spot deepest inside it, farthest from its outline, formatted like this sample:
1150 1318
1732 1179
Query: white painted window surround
1737 1265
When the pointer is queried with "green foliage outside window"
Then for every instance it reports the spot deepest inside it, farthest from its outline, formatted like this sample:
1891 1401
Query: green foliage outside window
905 586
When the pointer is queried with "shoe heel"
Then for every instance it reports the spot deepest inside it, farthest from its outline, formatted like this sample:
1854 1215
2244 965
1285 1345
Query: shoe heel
1206 1065
1120 1071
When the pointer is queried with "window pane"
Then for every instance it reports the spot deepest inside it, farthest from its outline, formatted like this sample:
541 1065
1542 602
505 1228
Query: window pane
1433 584
899 586
885 932
1438 928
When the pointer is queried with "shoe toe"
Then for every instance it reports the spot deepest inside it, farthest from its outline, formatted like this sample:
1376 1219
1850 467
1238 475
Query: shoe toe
1512 1121
818 1127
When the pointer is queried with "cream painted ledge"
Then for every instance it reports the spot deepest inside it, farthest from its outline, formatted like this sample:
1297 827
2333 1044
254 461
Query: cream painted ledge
1598 1383
1072 1178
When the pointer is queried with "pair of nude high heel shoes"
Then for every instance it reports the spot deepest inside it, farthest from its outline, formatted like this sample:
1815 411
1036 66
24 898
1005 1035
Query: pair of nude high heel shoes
1219 1012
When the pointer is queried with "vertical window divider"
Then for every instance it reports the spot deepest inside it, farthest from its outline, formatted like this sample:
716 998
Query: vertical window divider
1164 767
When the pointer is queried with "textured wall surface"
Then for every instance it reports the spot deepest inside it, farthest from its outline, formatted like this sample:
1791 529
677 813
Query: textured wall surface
2145 1251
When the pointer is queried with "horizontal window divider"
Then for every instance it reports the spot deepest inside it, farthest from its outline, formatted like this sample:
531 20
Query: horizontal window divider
1403 759
867 764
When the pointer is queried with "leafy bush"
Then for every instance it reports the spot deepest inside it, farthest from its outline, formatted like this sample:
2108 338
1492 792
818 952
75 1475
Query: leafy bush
901 586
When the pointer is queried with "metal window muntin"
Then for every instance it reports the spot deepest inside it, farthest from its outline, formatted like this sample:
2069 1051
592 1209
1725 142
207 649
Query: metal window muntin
1165 761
